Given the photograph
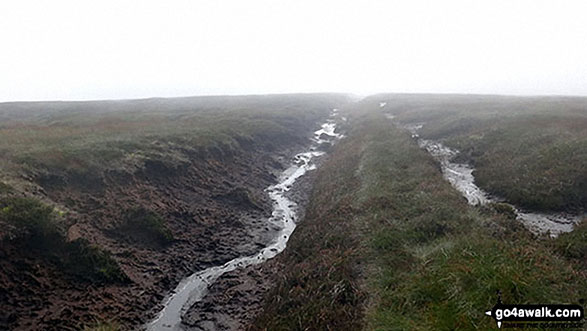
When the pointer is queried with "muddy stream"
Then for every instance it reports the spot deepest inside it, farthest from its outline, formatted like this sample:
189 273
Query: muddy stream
193 288
460 175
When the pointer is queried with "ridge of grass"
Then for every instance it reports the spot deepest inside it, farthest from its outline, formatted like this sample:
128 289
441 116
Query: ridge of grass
454 257
417 256
531 151
319 289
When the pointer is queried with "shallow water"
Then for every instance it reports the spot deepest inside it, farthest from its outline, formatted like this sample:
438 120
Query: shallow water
194 288
460 175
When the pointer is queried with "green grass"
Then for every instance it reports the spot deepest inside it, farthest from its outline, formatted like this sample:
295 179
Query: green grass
87 137
386 244
69 149
318 289
88 262
5 188
31 219
573 245
36 230
417 255
438 263
103 326
146 226
530 150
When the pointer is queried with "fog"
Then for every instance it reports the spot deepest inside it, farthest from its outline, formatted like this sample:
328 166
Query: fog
71 50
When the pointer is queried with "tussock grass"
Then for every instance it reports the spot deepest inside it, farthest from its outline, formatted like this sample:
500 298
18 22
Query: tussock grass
145 226
88 137
5 188
103 326
36 230
422 258
439 263
573 245
319 289
74 146
530 150
31 219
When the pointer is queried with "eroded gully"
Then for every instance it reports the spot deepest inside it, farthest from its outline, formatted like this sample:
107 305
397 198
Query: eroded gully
193 288
460 175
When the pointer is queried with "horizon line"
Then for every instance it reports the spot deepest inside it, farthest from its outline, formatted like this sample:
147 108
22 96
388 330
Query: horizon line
352 94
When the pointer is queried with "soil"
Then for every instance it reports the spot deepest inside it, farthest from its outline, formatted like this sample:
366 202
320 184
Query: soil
236 298
214 205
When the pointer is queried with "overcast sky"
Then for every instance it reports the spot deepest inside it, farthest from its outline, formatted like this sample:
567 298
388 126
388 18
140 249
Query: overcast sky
127 49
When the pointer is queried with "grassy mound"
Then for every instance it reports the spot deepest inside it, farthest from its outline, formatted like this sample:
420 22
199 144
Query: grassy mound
31 219
145 226
38 231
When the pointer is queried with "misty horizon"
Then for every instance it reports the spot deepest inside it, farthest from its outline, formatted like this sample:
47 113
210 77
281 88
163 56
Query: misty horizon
116 50
354 96
293 164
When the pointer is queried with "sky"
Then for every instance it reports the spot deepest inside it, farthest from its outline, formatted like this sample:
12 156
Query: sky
79 50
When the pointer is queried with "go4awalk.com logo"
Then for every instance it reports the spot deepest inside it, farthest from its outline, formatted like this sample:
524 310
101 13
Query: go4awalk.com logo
537 316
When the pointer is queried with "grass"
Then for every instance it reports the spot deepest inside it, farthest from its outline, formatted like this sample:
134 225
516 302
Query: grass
573 245
71 147
103 326
319 288
386 244
530 150
88 137
437 262
5 188
146 226
36 230
88 262
31 219
416 255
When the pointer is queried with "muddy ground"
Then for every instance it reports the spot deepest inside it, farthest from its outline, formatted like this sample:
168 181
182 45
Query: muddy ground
236 298
203 204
